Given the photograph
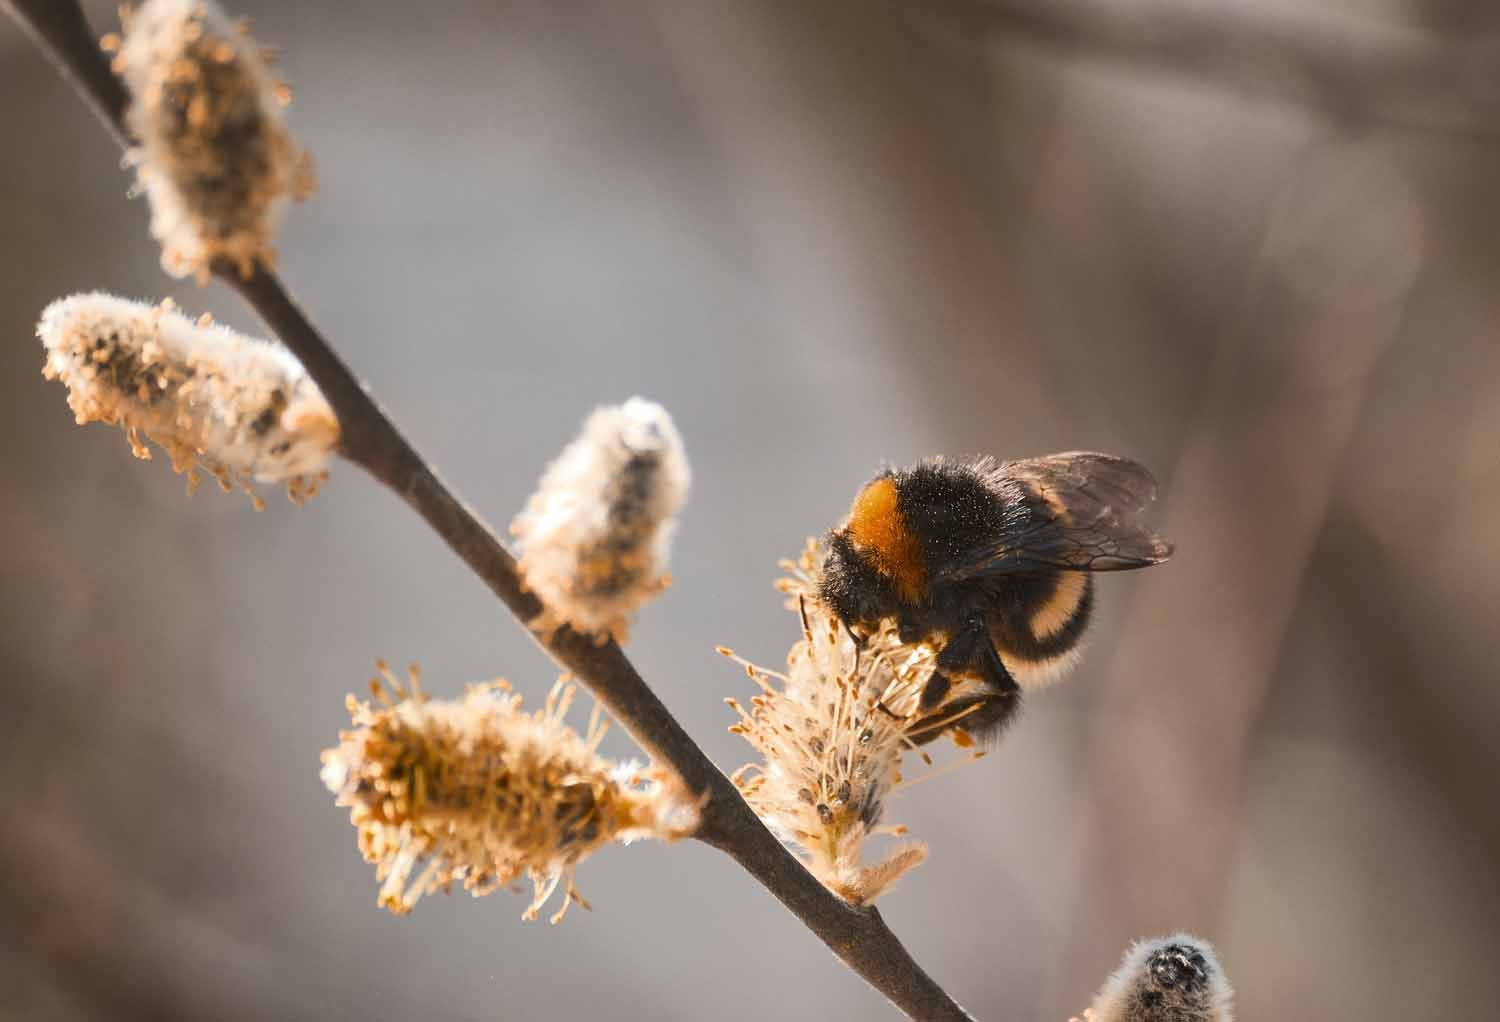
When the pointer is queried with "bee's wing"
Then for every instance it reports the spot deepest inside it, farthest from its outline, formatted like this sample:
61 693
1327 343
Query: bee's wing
1073 511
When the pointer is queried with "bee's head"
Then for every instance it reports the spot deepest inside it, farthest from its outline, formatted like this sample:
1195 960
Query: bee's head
853 587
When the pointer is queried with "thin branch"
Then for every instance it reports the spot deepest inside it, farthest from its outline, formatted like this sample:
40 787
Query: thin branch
1349 67
59 29
858 936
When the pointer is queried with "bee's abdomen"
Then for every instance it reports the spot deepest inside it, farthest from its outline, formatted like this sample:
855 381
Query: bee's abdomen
1067 604
1037 626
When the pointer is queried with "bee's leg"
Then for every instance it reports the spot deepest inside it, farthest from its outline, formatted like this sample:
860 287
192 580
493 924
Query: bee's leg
994 712
936 689
994 670
998 708
972 650
957 655
964 652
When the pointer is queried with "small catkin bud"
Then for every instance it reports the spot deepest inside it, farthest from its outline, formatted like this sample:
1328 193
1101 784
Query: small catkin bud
214 156
476 791
594 537
1168 979
237 408
831 732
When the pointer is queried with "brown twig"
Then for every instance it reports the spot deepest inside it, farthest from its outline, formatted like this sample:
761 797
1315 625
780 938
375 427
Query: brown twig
1348 67
858 936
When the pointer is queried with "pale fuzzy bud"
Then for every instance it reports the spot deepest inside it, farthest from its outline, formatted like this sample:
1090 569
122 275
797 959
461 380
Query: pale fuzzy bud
478 792
214 158
237 408
831 732
1168 979
594 537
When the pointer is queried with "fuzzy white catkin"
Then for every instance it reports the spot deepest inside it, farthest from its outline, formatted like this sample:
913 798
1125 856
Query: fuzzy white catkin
238 408
1166 979
594 537
215 159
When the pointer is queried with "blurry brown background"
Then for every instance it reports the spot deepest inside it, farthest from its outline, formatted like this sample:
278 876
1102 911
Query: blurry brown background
1251 244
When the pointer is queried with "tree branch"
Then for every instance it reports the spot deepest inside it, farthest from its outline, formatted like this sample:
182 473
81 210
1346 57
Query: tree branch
856 935
1348 67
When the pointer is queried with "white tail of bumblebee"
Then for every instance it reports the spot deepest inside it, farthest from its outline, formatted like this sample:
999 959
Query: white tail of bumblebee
1168 979
594 537
478 792
237 408
215 159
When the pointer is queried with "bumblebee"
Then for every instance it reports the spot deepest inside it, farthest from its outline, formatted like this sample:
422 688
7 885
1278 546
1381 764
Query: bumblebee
990 563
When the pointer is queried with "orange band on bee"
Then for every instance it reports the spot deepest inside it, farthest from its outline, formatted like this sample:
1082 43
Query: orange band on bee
876 527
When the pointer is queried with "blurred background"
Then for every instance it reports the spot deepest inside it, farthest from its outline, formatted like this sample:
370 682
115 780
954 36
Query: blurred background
1251 244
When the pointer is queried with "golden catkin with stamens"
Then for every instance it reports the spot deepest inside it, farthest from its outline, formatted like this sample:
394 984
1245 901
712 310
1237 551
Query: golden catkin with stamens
235 407
831 732
594 537
1167 979
800 585
478 792
214 156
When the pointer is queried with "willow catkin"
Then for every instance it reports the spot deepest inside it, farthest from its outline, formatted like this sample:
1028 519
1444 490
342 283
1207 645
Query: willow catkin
1166 979
215 159
238 408
594 537
831 732
477 792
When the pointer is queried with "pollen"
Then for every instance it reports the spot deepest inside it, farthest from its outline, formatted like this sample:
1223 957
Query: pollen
595 536
239 409
214 159
476 792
